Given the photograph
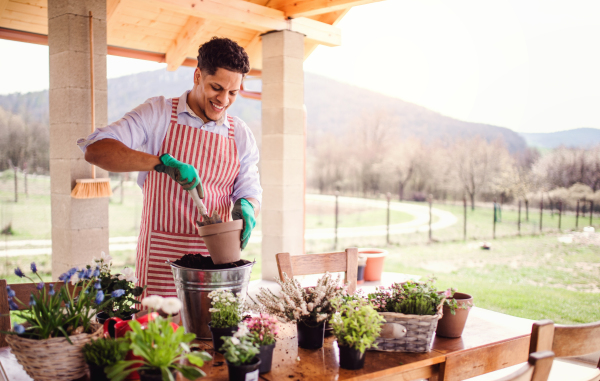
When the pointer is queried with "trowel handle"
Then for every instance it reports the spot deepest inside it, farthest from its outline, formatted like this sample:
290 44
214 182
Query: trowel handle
199 204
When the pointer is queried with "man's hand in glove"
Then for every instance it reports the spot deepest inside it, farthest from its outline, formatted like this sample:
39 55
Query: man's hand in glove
243 209
185 174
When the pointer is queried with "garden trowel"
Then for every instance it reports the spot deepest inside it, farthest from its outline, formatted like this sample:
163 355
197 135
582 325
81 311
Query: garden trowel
206 219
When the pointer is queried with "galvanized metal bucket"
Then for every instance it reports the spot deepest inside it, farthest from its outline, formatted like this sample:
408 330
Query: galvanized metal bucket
193 287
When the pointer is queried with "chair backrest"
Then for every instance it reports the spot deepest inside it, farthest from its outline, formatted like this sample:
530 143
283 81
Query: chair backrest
565 340
537 368
307 264
22 291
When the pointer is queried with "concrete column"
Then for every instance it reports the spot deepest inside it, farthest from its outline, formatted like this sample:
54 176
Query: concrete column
283 147
79 227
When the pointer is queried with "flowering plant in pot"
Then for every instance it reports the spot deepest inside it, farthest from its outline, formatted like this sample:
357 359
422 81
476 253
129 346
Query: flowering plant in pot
121 303
356 325
57 324
413 307
456 310
225 315
161 347
308 307
241 353
102 353
263 331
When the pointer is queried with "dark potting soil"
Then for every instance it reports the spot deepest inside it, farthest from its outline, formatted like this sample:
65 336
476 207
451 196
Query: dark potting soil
201 262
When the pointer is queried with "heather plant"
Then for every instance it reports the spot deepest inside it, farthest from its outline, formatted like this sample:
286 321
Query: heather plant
356 324
262 329
310 306
410 298
226 309
240 348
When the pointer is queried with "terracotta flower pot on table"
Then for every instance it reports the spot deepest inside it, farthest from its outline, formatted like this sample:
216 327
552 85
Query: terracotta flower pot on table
223 241
374 266
452 326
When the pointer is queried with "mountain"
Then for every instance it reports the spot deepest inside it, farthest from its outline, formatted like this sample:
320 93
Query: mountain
579 137
332 107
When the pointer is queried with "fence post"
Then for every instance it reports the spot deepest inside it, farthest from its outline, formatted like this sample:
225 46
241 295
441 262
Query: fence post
519 219
430 199
577 216
25 179
541 212
591 211
495 218
465 218
526 210
389 197
16 185
335 241
560 205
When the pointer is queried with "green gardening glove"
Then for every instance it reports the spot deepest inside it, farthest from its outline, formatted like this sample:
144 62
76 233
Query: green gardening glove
184 174
243 209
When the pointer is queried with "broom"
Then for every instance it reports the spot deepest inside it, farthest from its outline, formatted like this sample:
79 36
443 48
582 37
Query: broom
92 188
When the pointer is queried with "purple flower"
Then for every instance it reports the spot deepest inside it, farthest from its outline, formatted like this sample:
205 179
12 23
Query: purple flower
51 292
67 305
117 293
19 329
33 267
65 277
11 292
31 300
19 273
96 272
99 297
12 305
97 285
89 273
40 286
72 271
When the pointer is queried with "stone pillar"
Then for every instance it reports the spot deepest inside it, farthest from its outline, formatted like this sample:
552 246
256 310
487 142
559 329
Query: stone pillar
79 227
283 147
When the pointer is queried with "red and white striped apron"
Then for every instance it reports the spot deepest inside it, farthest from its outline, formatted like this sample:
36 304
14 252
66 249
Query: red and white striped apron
168 229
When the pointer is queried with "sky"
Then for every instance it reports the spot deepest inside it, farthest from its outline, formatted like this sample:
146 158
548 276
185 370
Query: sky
529 65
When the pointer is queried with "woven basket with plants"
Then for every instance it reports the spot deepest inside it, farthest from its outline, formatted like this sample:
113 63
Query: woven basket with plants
411 311
58 324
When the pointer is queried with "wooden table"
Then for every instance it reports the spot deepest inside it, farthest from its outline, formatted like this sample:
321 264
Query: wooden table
491 341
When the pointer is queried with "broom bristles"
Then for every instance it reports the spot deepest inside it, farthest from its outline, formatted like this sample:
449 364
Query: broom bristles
92 188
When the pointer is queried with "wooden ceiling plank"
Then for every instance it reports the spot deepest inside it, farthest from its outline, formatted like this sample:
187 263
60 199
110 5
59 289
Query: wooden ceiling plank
148 31
41 3
3 5
317 31
254 51
25 18
307 8
29 9
332 18
189 36
24 26
112 8
129 20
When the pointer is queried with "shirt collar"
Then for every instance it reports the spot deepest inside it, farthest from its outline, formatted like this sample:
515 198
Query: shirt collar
184 107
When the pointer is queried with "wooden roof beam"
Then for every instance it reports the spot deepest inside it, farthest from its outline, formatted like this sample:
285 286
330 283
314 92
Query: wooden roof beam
190 35
3 5
307 8
112 8
253 16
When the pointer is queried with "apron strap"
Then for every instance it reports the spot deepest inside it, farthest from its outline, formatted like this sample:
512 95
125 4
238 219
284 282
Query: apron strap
231 132
175 102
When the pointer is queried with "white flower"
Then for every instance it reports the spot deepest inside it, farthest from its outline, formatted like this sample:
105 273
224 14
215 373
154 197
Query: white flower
226 304
75 279
242 330
215 299
310 306
128 275
153 301
171 305
107 258
235 341
211 310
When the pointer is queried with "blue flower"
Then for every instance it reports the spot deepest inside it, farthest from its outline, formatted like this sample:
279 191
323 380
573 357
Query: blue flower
89 273
97 285
51 292
19 329
31 300
96 272
33 267
99 297
19 273
72 271
11 292
67 305
117 293
40 286
66 277
13 306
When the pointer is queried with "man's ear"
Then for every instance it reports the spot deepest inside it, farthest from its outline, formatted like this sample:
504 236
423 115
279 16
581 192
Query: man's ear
197 76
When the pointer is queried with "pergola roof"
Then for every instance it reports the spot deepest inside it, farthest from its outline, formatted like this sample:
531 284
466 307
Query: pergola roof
171 30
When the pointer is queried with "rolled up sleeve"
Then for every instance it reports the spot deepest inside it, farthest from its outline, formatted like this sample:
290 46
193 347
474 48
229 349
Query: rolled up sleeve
247 183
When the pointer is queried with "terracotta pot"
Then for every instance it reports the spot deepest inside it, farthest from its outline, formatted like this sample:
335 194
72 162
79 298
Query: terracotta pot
266 358
452 326
223 241
310 337
351 358
375 259
245 371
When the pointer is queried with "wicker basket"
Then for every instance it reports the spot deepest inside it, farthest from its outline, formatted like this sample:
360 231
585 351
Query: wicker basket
52 359
416 332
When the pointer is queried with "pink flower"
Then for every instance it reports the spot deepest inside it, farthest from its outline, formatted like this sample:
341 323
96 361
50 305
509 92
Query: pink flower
448 293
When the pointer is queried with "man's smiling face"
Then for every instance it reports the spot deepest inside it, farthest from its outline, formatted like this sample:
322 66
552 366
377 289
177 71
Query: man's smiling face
213 94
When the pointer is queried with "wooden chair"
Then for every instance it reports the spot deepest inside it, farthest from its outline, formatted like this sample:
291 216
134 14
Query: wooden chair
22 291
307 264
537 368
566 340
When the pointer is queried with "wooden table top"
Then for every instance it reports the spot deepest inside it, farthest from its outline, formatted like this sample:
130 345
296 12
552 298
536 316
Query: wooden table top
502 338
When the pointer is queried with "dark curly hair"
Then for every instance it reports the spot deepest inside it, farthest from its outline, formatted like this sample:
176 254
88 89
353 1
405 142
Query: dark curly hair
222 53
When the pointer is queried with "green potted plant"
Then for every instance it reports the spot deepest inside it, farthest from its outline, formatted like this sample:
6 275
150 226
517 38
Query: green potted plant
263 331
309 308
57 325
456 310
241 354
356 326
121 304
160 347
403 305
102 353
225 315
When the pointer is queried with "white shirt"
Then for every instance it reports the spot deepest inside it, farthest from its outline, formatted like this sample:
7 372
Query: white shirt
144 128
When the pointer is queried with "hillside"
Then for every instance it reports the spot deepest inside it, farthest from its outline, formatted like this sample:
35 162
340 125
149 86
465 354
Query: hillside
332 107
579 137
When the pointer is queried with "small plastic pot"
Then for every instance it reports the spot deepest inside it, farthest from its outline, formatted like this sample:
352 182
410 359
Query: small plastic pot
244 372
217 333
153 374
375 259
351 358
97 372
223 241
310 337
266 358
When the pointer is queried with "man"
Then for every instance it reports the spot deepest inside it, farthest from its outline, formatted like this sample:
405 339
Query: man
179 144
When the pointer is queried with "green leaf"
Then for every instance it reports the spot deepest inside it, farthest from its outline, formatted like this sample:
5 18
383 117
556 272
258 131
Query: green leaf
190 372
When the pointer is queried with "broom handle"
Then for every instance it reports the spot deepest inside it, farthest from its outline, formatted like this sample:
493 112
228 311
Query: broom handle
92 82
